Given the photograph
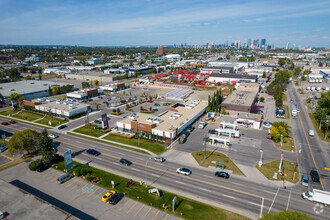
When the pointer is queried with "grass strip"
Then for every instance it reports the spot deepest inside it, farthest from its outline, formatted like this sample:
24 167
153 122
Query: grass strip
319 132
55 121
89 130
29 116
268 170
287 112
105 142
284 98
189 208
286 146
16 161
156 148
26 122
218 157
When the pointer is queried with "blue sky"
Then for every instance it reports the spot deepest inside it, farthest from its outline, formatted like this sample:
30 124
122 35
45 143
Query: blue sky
159 22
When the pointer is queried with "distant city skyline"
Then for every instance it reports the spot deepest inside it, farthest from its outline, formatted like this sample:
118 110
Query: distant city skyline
155 22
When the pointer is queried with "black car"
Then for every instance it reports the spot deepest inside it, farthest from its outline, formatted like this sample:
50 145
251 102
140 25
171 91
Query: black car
315 176
62 126
155 109
222 174
97 121
126 162
116 198
93 152
43 167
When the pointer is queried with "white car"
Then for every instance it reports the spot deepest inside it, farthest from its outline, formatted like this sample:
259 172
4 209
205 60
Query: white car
311 132
202 124
183 171
267 124
53 136
159 159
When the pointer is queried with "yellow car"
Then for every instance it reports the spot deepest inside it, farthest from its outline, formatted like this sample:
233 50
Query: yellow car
108 195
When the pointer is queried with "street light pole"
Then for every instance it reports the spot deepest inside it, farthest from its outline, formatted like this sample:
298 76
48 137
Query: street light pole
281 139
147 172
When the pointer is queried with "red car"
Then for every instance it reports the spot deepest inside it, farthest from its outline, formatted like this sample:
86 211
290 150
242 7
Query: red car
270 93
5 123
12 122
261 106
269 136
149 101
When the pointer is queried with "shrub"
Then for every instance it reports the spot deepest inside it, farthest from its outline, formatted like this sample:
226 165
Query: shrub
76 172
35 164
89 178
57 158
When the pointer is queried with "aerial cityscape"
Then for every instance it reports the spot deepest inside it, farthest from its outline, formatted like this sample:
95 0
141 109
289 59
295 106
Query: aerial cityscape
165 110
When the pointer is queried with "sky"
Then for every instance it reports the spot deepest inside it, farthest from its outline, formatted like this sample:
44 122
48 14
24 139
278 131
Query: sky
159 22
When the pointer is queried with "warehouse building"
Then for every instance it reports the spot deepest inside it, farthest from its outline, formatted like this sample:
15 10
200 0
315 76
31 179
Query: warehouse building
231 78
30 89
167 125
84 94
115 87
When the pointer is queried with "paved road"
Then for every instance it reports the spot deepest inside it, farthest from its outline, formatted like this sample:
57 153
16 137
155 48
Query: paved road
201 185
314 153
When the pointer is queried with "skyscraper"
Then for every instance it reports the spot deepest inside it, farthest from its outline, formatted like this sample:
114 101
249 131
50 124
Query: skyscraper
160 51
254 43
263 43
287 45
258 45
248 43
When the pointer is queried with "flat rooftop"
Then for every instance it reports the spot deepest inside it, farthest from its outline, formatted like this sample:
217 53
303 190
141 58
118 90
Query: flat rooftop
168 124
180 94
233 75
244 98
63 105
27 86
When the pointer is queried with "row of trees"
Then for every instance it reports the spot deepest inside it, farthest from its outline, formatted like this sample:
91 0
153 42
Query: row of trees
214 102
279 130
323 111
278 85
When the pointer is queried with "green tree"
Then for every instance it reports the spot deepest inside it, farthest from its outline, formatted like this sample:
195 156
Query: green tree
85 85
50 93
66 88
228 56
306 72
96 82
297 71
264 74
46 143
16 96
25 140
285 215
251 59
29 77
242 59
278 95
56 90
13 74
281 62
262 99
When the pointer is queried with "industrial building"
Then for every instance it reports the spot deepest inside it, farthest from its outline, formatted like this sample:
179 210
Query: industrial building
30 89
115 87
167 125
231 78
217 69
84 94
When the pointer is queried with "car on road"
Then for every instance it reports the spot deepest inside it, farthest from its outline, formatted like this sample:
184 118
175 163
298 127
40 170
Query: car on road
116 198
105 102
291 100
12 122
160 159
5 123
93 152
43 167
3 148
53 136
260 112
150 101
108 195
224 175
155 109
269 136
183 171
304 180
311 132
109 99
267 124
315 176
62 127
125 162
157 104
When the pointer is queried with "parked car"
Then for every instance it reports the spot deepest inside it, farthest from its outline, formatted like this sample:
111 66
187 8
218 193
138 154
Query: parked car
267 124
183 171
97 121
280 115
260 112
291 101
125 162
224 175
157 104
150 101
315 176
62 126
43 167
268 136
5 123
12 122
64 178
109 99
3 148
160 159
108 195
116 198
202 124
304 180
155 109
53 136
311 132
105 102
93 152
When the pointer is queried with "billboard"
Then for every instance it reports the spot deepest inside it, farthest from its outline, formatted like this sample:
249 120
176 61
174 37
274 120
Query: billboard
68 160
105 124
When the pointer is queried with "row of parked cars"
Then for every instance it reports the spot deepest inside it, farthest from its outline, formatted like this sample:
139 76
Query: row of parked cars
8 122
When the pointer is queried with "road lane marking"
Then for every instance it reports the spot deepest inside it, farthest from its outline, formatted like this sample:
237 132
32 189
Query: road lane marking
99 194
287 206
94 191
69 184
132 207
166 217
327 168
204 189
139 158
268 192
156 215
139 210
79 142
231 197
135 169
7 157
121 153
237 184
262 207
152 174
207 176
270 208
253 203
146 213
178 182
124 205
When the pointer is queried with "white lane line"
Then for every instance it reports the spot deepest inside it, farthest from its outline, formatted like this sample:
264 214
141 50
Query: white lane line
237 184
287 206
270 208
139 158
253 203
152 174
208 176
115 163
120 153
134 169
178 182
207 190
269 192
231 197
79 142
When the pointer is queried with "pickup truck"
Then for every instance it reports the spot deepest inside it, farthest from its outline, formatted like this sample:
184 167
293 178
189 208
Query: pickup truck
202 124
317 196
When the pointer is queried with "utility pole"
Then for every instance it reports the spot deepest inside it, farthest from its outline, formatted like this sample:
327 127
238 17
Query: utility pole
204 146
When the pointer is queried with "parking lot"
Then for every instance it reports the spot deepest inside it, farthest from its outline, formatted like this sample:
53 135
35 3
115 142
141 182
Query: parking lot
80 195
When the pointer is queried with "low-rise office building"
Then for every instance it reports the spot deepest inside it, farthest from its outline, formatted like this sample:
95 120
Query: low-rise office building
84 94
115 87
167 125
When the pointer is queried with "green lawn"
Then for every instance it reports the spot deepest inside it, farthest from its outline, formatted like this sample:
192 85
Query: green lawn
29 116
216 156
56 121
9 112
319 132
287 112
191 209
269 169
90 130
154 147
286 146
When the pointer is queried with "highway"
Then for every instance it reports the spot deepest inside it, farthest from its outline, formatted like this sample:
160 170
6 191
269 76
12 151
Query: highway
234 194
